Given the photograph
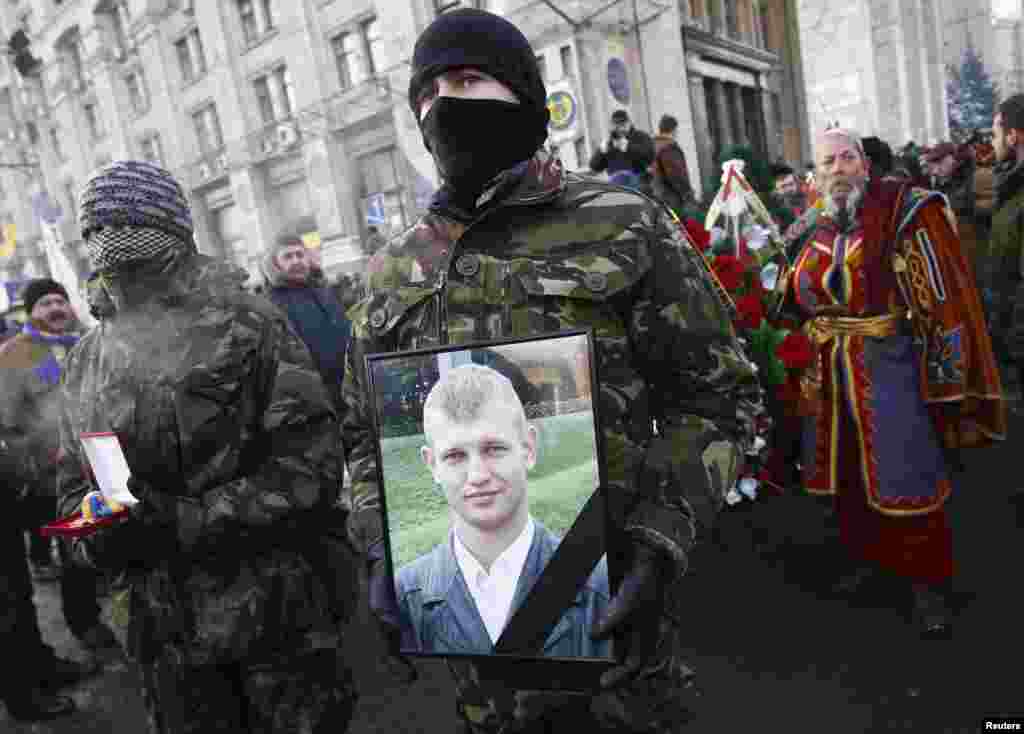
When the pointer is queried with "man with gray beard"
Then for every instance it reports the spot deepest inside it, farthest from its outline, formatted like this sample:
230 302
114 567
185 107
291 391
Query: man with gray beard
904 374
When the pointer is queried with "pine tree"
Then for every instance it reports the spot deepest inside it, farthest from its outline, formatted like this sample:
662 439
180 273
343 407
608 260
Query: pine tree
971 96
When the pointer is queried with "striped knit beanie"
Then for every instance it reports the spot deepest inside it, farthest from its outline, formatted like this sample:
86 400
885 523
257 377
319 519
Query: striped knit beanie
130 210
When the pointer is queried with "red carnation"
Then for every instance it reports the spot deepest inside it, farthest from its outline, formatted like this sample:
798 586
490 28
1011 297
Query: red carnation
795 351
699 236
729 271
751 311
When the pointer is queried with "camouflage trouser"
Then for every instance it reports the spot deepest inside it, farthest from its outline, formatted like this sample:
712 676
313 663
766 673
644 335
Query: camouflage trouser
312 694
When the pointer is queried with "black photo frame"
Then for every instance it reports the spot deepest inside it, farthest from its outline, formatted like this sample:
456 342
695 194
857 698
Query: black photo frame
543 644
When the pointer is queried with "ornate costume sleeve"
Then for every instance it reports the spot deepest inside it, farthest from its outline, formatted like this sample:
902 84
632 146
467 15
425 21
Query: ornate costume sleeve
704 386
957 364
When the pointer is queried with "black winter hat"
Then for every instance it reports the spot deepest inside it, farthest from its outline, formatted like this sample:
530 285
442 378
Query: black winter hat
36 289
879 153
484 41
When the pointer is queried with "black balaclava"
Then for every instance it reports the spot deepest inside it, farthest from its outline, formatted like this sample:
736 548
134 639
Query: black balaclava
473 141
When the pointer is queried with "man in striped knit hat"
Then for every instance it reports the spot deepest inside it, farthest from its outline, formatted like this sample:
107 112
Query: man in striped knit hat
233 614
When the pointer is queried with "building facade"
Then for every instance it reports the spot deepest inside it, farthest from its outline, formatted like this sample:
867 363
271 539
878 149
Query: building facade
880 66
292 115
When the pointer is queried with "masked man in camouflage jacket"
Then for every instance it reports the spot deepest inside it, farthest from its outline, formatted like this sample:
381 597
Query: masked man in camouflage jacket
232 612
513 246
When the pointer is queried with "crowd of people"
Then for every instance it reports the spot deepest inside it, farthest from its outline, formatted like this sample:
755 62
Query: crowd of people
241 413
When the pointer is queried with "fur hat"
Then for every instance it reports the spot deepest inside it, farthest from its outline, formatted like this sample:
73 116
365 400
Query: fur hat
37 289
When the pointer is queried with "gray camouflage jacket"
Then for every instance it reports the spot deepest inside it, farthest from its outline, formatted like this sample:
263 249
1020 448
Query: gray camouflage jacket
552 251
218 406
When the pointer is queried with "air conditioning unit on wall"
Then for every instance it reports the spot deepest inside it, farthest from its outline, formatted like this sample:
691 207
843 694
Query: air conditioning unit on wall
287 135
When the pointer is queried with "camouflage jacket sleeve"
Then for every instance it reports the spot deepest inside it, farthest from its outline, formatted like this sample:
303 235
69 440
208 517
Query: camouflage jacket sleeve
299 433
363 498
703 388
294 451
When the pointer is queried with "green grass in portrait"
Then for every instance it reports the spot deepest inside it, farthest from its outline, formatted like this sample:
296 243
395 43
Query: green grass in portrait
560 484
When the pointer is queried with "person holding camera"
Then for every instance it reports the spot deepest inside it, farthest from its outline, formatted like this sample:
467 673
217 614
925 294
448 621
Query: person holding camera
626 156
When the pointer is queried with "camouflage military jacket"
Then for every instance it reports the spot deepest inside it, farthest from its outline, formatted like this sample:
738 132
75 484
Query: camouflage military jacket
549 252
218 406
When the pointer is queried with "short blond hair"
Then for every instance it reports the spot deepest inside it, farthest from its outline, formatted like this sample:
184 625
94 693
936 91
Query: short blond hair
461 394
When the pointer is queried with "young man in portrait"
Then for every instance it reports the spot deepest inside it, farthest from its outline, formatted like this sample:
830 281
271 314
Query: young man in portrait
458 597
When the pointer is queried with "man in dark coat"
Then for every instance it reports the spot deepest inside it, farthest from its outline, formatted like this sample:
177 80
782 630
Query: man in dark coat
232 604
627 154
671 178
30 373
297 285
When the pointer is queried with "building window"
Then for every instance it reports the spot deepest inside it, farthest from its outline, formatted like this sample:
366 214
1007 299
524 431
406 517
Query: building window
190 56
257 19
275 95
70 51
582 156
357 53
441 6
347 56
117 20
371 33
207 127
381 190
92 120
568 67
151 150
137 96
58 149
71 194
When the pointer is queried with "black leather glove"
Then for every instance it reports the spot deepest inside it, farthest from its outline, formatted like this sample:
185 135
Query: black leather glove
146 537
637 609
384 608
154 507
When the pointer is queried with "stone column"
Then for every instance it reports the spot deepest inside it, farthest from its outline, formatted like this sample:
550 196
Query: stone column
279 101
771 134
205 231
725 135
701 128
755 25
327 168
262 21
739 114
100 70
153 51
249 189
721 25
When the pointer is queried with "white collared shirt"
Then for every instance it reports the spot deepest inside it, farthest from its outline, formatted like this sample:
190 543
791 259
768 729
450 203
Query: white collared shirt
493 592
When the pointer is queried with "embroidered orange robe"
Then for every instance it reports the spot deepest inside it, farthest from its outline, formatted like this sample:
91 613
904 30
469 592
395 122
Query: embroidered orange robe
888 401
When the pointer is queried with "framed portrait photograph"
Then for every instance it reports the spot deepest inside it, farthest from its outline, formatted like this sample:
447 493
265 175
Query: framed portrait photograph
490 463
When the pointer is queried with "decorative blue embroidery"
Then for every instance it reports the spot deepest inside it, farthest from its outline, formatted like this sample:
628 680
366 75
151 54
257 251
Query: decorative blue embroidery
946 358
49 369
934 273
